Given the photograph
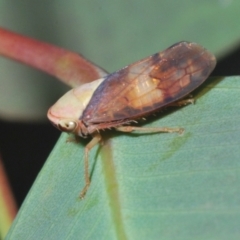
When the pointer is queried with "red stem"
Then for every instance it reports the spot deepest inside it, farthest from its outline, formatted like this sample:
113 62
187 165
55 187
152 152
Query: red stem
6 194
67 66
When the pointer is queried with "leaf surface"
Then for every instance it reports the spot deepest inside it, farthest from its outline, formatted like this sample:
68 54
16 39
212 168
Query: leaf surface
147 186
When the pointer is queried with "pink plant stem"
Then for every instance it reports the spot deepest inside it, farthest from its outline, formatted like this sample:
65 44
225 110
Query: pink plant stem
7 202
67 66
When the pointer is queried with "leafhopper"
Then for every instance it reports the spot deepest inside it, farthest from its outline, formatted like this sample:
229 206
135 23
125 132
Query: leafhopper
135 91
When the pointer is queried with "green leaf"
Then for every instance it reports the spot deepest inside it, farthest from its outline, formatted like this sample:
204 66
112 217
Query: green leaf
147 186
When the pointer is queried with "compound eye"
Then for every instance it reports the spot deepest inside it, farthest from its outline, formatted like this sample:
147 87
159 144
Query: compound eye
67 125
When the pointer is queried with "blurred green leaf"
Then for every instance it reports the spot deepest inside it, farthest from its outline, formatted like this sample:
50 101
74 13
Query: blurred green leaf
147 186
112 34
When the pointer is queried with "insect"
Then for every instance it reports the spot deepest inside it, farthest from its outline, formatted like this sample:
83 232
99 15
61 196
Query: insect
133 92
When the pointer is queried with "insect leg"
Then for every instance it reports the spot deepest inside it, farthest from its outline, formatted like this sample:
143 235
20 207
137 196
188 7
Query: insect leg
149 129
182 102
95 140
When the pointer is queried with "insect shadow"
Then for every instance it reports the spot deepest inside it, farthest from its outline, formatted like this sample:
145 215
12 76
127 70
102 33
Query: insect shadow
207 86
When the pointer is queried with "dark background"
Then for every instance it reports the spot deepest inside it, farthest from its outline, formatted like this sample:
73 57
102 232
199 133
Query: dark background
33 142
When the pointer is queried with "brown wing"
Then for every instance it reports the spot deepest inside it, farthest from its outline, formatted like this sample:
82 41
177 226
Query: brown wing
147 85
